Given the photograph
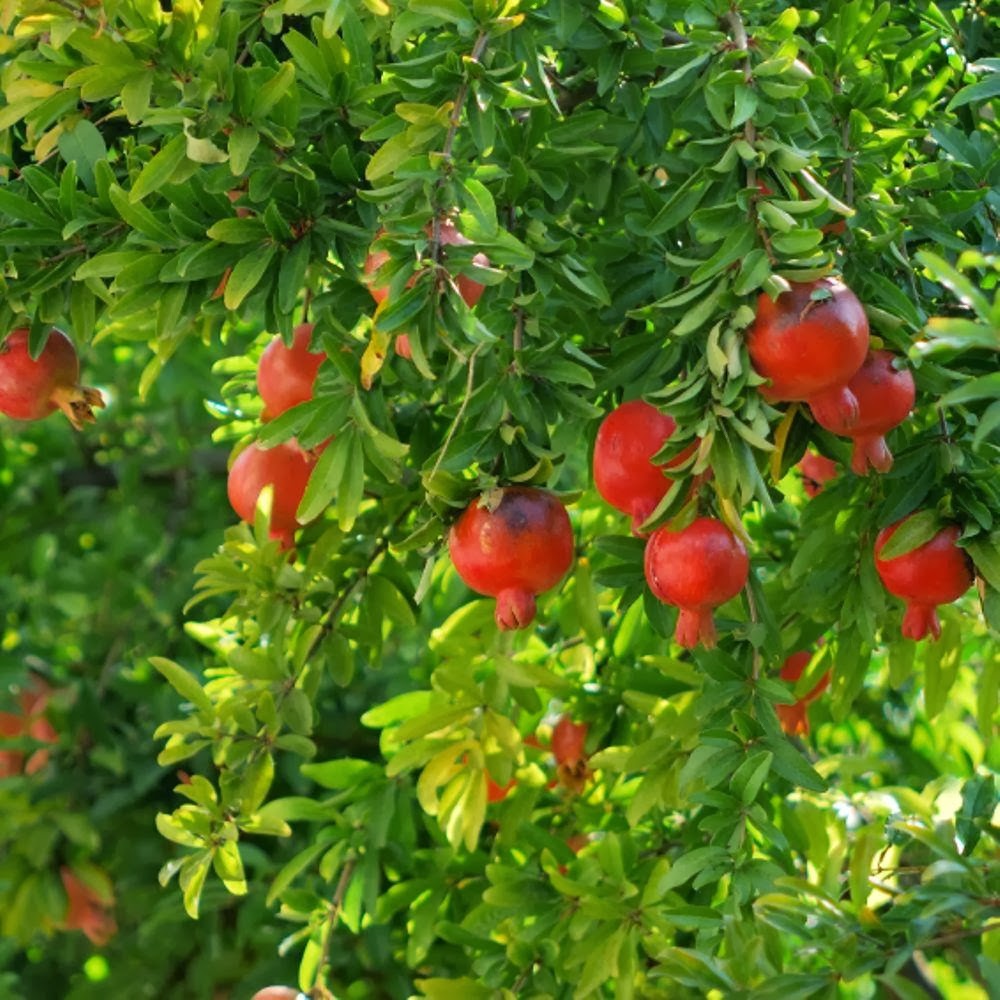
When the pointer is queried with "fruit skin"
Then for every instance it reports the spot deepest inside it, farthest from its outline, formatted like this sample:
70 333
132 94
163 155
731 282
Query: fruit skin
497 793
285 375
817 470
29 721
470 290
287 467
624 474
568 739
696 569
32 389
810 349
793 718
87 910
512 543
277 993
937 572
885 397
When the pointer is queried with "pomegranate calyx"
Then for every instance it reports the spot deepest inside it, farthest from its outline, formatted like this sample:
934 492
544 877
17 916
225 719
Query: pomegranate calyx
919 620
870 451
77 402
837 406
515 609
695 625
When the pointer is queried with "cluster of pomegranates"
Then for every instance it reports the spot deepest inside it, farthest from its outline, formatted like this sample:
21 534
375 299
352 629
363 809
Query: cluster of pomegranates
32 388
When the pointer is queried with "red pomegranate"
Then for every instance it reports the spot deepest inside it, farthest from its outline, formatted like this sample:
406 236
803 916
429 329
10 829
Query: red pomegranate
470 290
696 569
568 740
810 348
885 397
512 543
817 470
497 793
32 389
277 993
934 573
286 467
285 375
624 473
793 717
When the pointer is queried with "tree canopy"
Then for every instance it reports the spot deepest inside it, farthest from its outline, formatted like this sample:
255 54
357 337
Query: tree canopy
491 223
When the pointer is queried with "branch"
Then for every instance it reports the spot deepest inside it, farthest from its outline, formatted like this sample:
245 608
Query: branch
336 905
739 32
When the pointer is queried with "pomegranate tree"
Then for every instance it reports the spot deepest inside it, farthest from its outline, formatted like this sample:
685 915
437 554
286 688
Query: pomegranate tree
937 572
696 569
809 342
624 473
512 543
285 375
285 467
32 388
885 396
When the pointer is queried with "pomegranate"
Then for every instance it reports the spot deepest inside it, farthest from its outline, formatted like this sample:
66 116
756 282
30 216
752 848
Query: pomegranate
817 470
32 389
934 573
30 721
624 473
568 739
88 909
885 397
277 993
793 717
497 793
696 569
286 467
285 375
512 543
810 348
470 290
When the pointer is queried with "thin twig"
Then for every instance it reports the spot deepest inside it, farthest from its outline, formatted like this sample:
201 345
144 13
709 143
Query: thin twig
461 411
336 905
740 40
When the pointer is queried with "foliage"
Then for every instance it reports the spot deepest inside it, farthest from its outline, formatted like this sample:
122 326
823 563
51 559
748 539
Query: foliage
177 182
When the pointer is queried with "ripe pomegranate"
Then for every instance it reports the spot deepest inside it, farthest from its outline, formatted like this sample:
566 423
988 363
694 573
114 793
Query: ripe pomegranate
512 543
470 290
29 721
568 739
285 375
885 397
287 468
934 573
696 569
277 993
793 717
817 470
32 389
624 473
810 348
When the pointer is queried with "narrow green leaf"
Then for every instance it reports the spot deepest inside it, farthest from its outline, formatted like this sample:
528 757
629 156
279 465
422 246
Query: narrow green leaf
183 682
160 168
247 274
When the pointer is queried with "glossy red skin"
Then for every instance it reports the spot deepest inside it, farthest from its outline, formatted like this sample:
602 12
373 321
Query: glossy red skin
285 375
696 569
817 470
470 290
793 717
277 993
568 740
287 467
811 349
521 547
32 389
628 438
936 572
885 398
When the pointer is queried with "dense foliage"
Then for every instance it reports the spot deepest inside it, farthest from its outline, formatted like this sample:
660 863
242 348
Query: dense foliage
363 754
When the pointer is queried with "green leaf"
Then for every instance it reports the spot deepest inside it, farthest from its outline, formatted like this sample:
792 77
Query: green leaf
347 772
446 10
183 682
983 90
246 275
84 146
916 530
160 168
243 141
985 554
271 92
984 387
